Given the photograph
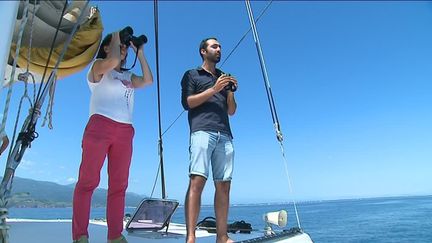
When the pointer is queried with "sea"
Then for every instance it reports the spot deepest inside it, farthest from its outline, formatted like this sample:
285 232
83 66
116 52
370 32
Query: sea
374 220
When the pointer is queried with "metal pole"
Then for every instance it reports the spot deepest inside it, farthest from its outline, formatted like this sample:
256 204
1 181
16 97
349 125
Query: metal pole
270 97
160 144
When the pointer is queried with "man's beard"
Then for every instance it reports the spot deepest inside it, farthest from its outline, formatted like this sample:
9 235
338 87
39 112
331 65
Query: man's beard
214 58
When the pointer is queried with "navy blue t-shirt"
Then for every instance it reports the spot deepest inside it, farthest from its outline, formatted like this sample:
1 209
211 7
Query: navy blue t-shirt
212 115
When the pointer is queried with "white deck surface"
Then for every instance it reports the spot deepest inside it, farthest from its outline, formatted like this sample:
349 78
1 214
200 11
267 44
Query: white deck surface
59 231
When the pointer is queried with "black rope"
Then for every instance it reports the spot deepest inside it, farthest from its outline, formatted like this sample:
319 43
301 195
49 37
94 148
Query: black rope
172 123
31 129
161 165
155 181
52 47
133 65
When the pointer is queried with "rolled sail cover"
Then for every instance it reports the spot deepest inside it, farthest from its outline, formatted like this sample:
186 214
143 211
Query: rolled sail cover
81 49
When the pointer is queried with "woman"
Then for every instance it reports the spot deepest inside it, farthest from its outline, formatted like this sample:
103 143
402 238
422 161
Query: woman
109 133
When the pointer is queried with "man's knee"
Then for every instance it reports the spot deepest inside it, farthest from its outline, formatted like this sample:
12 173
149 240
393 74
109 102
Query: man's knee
197 183
223 186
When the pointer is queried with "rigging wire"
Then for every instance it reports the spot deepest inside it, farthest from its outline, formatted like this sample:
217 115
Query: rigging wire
52 79
172 123
246 33
24 78
28 133
226 59
264 73
28 73
155 181
14 65
270 99
42 90
6 182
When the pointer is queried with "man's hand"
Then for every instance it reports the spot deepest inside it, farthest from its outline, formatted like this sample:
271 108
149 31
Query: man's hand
233 80
223 81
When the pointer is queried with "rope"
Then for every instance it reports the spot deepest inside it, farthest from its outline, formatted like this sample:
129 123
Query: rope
12 76
25 95
28 133
247 32
49 111
24 77
40 91
155 181
29 52
270 99
289 181
172 123
4 199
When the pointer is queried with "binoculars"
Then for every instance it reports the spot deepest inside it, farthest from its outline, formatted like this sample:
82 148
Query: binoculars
126 36
230 85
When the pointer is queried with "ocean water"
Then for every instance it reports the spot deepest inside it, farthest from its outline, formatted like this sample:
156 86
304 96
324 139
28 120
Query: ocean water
380 220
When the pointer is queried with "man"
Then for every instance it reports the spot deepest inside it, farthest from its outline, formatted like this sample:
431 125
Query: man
209 101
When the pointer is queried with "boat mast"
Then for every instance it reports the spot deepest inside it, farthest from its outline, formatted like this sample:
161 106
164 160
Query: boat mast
160 144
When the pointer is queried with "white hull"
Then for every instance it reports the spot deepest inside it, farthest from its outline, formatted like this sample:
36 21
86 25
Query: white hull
59 231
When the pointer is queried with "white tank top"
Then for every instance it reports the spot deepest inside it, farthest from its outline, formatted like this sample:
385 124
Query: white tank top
112 96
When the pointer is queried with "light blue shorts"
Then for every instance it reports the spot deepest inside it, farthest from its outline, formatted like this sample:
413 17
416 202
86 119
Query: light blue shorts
211 147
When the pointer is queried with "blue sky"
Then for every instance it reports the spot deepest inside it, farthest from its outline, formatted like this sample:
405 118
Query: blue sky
351 82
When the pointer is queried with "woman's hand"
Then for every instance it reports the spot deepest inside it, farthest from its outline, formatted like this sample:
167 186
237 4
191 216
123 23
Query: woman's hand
141 48
115 36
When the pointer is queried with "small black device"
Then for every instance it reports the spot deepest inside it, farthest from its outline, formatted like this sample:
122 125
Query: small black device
230 86
126 36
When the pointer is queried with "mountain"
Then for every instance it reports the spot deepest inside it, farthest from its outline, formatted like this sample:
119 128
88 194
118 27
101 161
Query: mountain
33 193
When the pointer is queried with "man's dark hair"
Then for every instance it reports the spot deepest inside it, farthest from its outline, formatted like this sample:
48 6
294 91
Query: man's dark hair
204 44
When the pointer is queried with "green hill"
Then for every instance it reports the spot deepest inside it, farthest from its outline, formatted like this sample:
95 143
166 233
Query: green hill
32 193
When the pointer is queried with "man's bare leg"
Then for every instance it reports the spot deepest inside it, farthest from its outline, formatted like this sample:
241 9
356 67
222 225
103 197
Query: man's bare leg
221 202
193 205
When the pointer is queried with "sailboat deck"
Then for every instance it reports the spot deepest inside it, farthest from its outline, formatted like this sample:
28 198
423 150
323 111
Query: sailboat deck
59 231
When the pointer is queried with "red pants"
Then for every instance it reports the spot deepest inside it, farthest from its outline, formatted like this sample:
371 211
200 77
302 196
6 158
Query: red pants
103 137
